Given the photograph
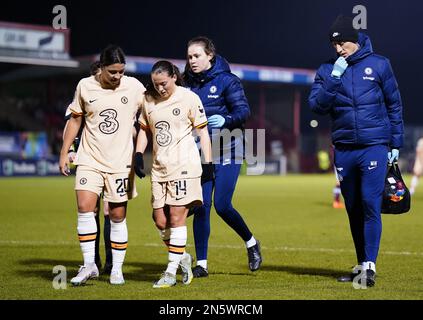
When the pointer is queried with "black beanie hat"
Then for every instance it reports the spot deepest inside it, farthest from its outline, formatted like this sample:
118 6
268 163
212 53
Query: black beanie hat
342 30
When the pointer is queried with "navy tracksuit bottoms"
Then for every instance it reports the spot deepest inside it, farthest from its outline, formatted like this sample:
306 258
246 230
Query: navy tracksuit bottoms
226 177
362 171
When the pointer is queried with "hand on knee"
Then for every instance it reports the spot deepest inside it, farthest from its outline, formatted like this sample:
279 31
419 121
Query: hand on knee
161 225
160 222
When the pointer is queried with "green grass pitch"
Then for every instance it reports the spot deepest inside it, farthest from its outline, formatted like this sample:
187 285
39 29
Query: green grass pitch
306 244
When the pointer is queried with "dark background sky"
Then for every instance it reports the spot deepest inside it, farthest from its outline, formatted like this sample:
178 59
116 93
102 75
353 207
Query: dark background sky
265 32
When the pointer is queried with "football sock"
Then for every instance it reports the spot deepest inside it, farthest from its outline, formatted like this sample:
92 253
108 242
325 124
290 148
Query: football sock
336 194
369 265
119 242
177 243
202 263
250 243
414 183
165 236
87 233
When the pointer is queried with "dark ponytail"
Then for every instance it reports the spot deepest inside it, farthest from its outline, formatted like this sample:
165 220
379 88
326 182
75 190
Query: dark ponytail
160 67
94 68
112 54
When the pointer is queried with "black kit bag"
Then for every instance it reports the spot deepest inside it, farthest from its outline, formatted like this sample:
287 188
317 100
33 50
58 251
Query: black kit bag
396 196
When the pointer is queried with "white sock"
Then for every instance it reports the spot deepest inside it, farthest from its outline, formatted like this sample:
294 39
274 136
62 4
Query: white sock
251 242
202 263
336 191
177 243
369 265
119 242
414 183
165 236
87 233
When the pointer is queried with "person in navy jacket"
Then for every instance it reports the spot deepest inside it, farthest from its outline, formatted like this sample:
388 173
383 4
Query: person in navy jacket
221 92
360 93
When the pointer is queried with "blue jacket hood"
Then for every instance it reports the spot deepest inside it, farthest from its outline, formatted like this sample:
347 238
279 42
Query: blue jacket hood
219 65
365 50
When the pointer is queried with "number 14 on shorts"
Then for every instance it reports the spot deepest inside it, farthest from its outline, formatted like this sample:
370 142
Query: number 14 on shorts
181 189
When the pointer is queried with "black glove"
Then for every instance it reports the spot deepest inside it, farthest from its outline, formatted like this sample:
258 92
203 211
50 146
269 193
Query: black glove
208 172
139 165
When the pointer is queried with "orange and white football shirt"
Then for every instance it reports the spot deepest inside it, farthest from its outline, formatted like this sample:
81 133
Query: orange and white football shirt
107 141
175 154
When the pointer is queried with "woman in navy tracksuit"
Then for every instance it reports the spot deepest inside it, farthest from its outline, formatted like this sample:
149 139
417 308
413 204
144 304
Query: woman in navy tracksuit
360 93
208 75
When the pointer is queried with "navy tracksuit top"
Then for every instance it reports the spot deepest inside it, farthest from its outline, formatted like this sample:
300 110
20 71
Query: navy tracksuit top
365 103
221 93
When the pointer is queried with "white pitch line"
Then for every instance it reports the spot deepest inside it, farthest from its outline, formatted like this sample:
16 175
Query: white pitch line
326 250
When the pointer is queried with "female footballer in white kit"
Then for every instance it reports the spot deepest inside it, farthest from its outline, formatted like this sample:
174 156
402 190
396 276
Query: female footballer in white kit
171 112
108 101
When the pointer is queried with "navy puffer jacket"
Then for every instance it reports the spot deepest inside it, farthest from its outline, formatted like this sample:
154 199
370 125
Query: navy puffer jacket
365 103
221 93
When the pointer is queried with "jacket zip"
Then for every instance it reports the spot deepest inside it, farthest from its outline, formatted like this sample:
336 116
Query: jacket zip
354 107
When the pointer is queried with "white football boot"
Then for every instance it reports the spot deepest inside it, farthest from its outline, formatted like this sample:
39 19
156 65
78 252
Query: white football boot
166 281
116 277
85 273
186 264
